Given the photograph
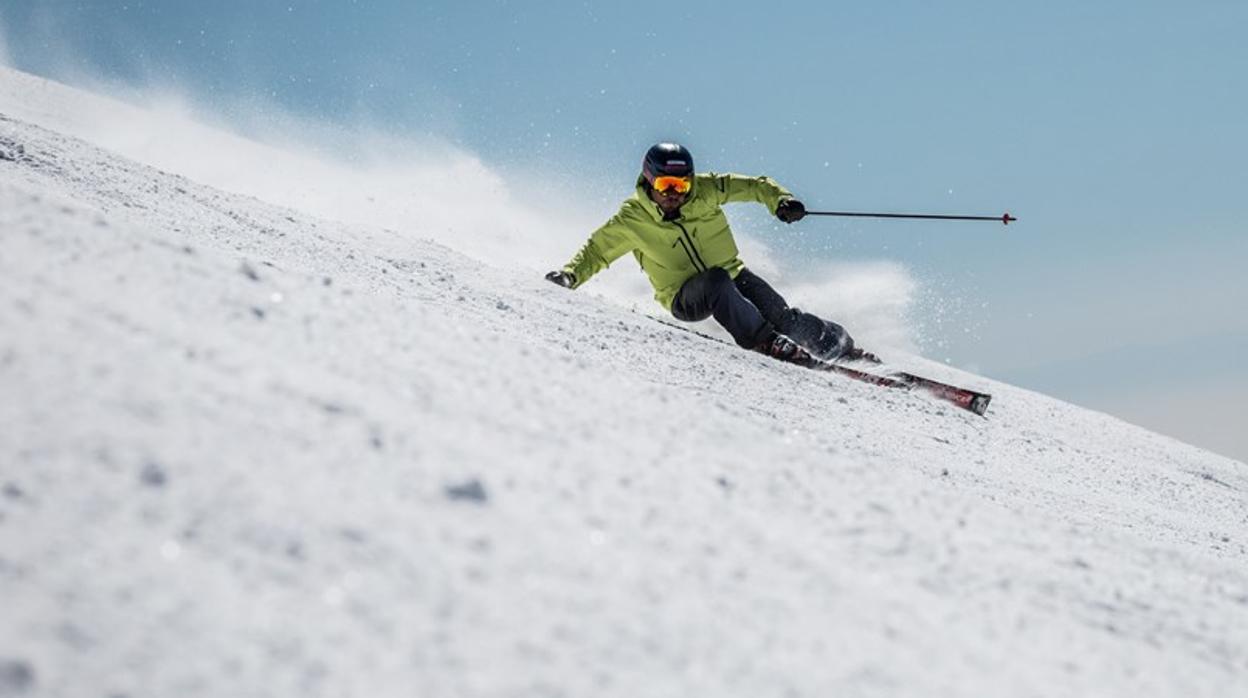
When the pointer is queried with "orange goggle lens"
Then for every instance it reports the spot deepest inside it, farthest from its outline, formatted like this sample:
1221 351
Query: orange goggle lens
680 184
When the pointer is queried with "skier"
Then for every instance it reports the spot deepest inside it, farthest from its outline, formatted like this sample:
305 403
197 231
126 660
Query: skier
674 225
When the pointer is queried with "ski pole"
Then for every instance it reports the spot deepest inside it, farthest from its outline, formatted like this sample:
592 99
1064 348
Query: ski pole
1005 219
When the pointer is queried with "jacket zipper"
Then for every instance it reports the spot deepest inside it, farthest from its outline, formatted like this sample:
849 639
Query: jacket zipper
691 250
683 246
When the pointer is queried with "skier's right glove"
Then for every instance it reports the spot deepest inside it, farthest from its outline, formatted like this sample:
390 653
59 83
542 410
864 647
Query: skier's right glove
790 211
561 278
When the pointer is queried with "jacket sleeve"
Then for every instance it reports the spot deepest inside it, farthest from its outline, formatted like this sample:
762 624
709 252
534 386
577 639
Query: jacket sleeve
607 244
734 187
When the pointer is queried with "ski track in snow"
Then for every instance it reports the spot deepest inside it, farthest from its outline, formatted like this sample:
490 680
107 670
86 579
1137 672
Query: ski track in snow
244 451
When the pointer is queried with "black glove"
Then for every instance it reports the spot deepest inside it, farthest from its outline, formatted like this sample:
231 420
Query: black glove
791 210
561 278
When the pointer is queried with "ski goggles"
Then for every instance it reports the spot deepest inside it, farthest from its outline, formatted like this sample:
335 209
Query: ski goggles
680 184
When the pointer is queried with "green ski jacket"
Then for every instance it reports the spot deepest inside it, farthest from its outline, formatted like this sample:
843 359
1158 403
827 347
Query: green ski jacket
670 252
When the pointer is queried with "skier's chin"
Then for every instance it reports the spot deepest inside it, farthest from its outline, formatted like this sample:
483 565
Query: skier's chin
670 206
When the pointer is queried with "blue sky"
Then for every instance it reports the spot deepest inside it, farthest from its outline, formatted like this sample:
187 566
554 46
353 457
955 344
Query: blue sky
1114 130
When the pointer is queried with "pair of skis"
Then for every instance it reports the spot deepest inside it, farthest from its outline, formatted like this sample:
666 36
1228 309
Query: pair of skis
969 400
966 399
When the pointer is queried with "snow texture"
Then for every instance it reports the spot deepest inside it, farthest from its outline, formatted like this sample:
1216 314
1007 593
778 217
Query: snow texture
245 451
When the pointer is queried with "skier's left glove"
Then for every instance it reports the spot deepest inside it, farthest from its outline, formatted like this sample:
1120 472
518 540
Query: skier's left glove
561 278
791 210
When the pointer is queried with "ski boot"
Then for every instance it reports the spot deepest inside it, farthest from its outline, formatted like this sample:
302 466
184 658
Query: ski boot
857 354
781 348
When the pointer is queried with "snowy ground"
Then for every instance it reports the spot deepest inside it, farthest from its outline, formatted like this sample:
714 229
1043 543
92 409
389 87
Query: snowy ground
249 452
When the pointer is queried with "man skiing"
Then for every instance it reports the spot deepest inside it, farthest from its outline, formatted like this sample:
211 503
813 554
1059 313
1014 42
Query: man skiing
674 225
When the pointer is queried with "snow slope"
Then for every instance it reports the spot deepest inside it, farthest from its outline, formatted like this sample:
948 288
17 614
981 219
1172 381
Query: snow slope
245 451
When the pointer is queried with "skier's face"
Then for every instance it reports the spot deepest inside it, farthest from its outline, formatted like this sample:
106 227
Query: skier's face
669 201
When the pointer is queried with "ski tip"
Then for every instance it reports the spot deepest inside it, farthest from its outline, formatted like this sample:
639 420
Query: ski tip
979 404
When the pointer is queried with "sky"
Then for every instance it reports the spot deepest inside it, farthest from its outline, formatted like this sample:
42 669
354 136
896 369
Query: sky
1112 130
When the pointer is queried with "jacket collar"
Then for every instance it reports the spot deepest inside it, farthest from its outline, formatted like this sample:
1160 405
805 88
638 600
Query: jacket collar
652 208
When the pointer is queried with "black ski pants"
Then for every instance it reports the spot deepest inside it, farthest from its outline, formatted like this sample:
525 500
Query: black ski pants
750 309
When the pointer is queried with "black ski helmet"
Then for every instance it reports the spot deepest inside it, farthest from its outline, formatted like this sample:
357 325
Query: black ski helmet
670 159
